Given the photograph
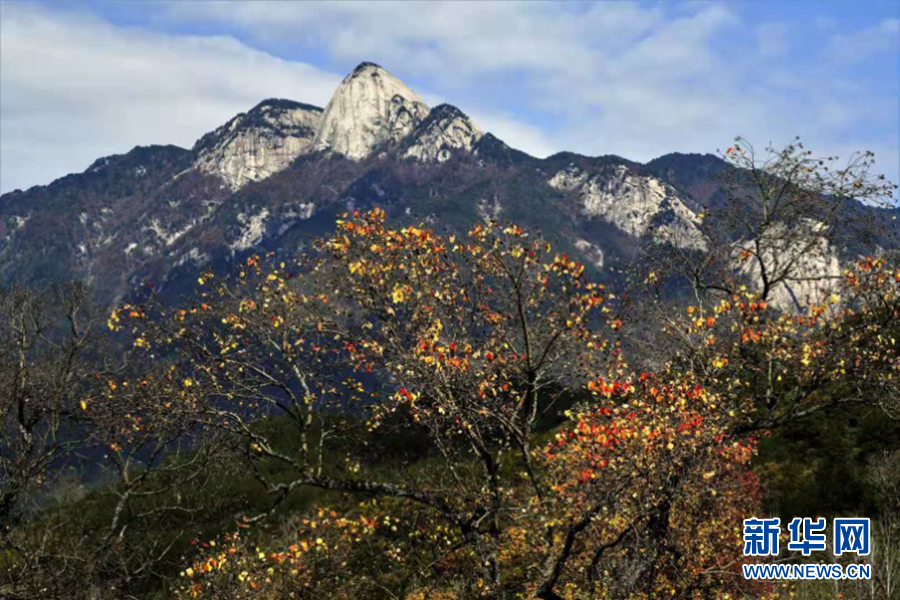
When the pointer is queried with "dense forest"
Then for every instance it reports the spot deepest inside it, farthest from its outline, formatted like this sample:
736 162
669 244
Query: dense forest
398 411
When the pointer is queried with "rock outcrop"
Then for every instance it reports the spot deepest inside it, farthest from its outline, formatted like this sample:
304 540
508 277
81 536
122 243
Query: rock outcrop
370 108
803 268
258 143
637 204
446 130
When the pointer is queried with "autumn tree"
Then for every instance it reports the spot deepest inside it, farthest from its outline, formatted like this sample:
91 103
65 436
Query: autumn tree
791 308
777 367
479 346
70 404
46 340
782 222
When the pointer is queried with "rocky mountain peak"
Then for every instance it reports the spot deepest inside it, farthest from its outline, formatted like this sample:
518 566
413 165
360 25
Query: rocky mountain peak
445 111
445 130
365 65
370 107
258 143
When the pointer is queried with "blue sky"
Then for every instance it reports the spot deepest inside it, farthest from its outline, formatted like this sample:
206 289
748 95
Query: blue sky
79 80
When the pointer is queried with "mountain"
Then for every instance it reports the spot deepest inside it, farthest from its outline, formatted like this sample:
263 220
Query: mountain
370 108
270 178
258 143
445 130
634 202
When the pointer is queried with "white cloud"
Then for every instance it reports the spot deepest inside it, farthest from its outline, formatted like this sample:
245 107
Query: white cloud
626 78
856 46
772 40
458 38
76 88
515 133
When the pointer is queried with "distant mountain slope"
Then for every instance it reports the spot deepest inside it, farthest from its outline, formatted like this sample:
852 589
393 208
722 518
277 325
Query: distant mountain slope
281 172
98 224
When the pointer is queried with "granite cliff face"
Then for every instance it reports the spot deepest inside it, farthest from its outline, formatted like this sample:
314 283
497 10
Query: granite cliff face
258 143
634 203
803 266
446 130
370 108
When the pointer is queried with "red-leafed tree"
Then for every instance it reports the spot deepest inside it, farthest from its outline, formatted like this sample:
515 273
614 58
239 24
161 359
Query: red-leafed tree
553 464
